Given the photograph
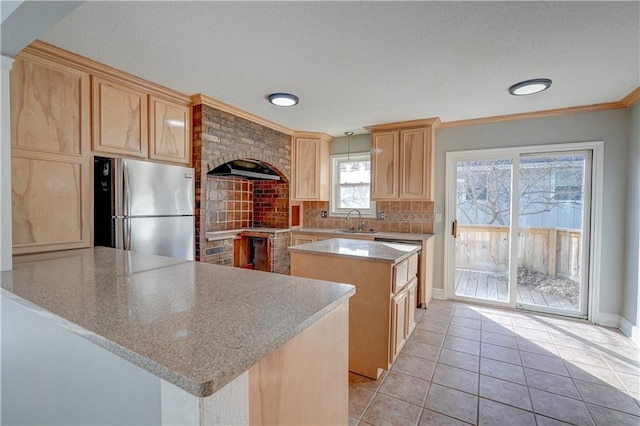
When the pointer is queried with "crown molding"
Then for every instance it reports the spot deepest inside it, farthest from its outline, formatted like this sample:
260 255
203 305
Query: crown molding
423 122
41 49
199 98
313 135
535 114
632 98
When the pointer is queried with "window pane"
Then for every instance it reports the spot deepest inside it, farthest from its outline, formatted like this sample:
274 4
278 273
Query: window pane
354 196
355 172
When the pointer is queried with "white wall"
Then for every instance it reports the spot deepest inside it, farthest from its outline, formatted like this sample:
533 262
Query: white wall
51 376
359 143
631 296
608 126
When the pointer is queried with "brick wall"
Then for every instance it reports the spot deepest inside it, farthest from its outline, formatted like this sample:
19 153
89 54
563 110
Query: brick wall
219 252
229 203
270 204
280 259
400 216
220 137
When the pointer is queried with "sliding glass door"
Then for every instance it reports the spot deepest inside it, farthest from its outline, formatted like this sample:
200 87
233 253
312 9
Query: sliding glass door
520 229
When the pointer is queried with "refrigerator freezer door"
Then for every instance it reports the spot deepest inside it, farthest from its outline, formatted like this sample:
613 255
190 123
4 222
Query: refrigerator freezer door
164 236
152 189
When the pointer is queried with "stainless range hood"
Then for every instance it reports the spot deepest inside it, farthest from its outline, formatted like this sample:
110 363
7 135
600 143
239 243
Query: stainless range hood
246 169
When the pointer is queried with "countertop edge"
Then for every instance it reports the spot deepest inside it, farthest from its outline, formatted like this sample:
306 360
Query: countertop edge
379 234
198 389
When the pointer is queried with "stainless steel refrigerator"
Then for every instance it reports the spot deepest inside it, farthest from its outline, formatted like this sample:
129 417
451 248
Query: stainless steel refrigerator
144 207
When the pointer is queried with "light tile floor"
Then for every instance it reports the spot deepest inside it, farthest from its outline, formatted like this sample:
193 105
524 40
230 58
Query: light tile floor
467 364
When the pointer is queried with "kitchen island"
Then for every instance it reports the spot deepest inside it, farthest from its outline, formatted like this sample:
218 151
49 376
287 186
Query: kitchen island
382 313
105 336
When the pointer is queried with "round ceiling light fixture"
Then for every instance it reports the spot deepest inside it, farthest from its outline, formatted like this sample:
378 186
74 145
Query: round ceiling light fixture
529 87
283 99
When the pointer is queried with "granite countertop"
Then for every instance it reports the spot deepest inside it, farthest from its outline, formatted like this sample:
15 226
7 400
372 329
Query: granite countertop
233 233
193 324
363 249
389 235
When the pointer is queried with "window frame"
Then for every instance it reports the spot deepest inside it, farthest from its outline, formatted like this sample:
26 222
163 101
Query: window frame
334 185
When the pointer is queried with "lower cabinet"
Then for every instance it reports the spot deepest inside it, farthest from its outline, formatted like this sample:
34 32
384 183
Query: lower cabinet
412 302
398 322
403 317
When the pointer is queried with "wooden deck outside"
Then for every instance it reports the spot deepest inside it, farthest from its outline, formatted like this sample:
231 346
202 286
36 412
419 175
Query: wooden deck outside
493 286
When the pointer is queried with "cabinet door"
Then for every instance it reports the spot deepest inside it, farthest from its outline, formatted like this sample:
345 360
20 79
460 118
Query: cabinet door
50 156
169 134
312 168
119 119
398 322
384 166
412 302
416 168
49 107
302 239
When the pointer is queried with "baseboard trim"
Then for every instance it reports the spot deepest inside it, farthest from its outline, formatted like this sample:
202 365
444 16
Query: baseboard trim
438 293
630 330
608 320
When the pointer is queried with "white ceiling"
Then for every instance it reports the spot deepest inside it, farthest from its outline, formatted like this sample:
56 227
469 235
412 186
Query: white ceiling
361 63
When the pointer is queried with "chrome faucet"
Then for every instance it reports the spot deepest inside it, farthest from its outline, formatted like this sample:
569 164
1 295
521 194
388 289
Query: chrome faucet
360 221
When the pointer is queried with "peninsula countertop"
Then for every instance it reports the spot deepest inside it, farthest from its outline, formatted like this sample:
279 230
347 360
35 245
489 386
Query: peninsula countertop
370 250
193 324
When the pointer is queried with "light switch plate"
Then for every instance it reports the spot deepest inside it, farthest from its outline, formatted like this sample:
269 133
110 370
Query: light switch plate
438 217
323 213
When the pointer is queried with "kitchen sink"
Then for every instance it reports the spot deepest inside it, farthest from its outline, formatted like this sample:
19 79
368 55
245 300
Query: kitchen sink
353 231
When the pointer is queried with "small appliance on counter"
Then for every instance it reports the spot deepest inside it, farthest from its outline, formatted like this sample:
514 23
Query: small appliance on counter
144 207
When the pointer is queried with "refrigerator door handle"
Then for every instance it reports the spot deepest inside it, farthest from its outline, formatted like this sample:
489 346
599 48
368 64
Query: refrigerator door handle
127 193
128 237
126 226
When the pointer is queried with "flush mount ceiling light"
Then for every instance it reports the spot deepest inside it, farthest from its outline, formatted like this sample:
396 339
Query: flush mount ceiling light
529 87
283 99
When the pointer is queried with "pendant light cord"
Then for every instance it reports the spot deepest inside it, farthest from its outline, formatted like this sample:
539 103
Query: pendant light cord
348 145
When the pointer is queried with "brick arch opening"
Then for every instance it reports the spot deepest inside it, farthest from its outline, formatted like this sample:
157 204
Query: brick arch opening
226 203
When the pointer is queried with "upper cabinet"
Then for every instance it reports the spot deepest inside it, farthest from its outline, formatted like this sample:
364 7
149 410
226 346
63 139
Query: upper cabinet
65 108
120 116
50 156
311 166
402 160
169 131
385 154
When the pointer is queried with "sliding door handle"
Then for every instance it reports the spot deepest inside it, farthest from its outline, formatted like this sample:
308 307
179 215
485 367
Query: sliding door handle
454 228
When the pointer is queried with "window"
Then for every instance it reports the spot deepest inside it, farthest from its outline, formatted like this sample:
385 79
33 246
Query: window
568 185
351 184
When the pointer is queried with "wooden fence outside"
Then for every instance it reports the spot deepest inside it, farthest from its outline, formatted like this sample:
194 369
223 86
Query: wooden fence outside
552 251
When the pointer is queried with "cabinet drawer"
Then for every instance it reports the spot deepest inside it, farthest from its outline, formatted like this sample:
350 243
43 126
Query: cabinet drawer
400 276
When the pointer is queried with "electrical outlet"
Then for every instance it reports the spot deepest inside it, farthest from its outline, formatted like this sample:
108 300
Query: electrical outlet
438 217
323 213
381 216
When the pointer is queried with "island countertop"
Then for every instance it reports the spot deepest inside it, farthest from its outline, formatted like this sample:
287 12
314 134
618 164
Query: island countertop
193 324
370 250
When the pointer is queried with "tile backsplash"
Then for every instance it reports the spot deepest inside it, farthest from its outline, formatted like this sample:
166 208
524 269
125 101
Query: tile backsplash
400 216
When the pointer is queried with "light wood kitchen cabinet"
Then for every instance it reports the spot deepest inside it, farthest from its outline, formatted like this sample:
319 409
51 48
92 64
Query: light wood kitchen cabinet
402 160
120 118
416 165
412 303
385 154
50 156
169 131
398 323
311 168
378 315
302 239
